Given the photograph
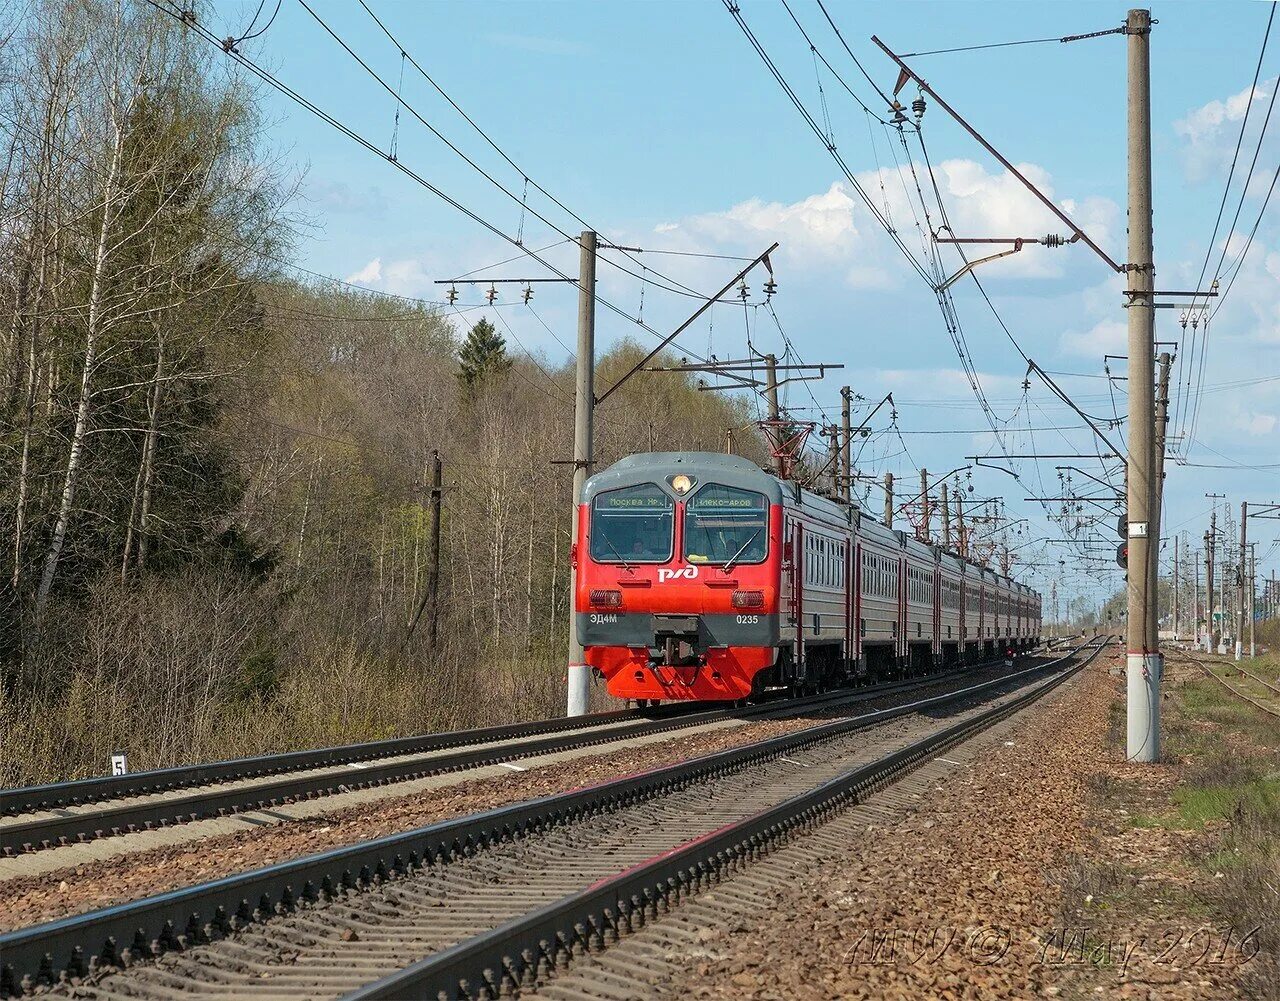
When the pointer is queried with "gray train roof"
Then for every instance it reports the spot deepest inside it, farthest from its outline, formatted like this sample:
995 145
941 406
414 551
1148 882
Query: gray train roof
735 471
655 467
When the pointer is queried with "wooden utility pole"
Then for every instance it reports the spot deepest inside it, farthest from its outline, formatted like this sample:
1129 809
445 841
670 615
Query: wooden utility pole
888 500
846 453
1143 661
583 452
433 557
431 596
946 518
771 395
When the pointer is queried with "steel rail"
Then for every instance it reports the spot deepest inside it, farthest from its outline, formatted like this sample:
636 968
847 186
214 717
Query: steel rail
45 831
1269 710
522 952
125 933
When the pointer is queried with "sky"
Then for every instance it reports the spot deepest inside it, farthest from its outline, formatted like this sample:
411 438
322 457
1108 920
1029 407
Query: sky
659 125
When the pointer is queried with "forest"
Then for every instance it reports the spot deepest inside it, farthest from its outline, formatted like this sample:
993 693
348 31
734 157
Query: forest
215 469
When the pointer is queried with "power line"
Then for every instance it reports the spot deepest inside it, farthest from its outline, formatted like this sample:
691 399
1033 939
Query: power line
272 81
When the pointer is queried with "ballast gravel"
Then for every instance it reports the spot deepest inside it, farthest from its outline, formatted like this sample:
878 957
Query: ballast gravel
961 897
32 900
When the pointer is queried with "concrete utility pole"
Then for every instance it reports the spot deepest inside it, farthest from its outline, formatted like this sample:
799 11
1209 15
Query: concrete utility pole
1157 492
1143 661
771 395
888 500
846 448
583 452
833 459
1177 582
1196 634
926 516
728 441
946 518
1244 549
1253 583
961 539
1210 627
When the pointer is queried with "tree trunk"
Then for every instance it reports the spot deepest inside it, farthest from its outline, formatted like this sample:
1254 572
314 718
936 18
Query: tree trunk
92 334
149 456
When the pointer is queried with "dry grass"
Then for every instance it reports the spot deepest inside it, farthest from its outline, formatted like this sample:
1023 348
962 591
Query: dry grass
193 670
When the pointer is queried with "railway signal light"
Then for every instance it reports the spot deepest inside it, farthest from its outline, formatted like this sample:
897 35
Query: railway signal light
1122 555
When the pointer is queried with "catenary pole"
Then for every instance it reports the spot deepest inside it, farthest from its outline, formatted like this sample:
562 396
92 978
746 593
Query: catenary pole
888 500
771 395
1242 564
1143 657
846 455
946 518
1211 628
584 404
1157 492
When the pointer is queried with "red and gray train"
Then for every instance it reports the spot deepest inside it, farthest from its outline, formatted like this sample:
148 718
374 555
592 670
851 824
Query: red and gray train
702 577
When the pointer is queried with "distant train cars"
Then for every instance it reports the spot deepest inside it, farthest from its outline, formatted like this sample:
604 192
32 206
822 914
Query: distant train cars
700 576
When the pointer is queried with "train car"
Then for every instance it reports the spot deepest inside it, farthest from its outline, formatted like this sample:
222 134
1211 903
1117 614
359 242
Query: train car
700 576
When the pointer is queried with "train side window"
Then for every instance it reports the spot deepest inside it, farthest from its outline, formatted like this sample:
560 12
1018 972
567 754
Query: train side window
632 525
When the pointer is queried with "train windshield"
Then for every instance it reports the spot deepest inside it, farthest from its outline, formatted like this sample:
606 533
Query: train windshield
632 525
726 525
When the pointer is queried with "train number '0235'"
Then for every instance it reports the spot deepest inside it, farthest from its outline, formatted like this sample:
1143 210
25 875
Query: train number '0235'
603 618
748 620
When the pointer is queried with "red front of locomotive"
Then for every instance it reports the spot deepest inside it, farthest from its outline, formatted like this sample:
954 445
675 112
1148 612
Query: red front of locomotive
678 562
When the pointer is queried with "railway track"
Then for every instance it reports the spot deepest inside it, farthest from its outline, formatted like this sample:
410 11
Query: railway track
43 817
1262 706
499 898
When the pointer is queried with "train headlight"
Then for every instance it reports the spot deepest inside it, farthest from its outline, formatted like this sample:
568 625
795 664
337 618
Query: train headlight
681 483
748 599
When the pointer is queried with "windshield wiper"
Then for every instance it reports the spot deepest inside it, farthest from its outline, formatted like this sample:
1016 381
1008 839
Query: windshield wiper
729 566
609 542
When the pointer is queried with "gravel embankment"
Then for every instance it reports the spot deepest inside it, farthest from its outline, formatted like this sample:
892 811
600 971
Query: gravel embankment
31 900
962 897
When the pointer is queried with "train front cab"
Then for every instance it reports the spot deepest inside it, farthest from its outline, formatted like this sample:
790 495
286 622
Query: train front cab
678 559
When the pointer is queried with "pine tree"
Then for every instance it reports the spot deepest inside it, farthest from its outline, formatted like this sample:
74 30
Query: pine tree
483 355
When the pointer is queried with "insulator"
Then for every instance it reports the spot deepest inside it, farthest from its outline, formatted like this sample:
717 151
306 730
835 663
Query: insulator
917 106
528 294
1052 240
770 287
743 291
1183 319
491 295
453 295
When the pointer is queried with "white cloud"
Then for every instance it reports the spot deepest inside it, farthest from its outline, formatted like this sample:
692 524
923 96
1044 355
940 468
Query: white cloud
1104 337
1209 132
834 229
1258 424
370 274
946 383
